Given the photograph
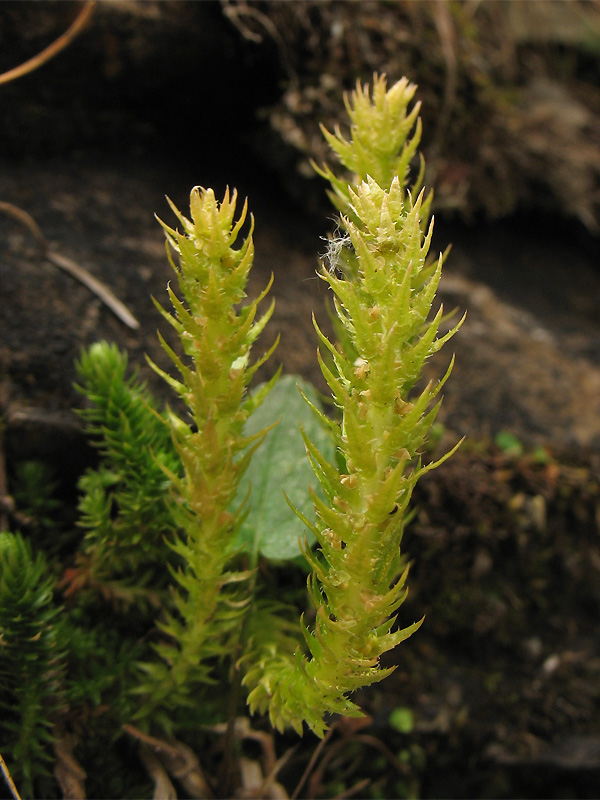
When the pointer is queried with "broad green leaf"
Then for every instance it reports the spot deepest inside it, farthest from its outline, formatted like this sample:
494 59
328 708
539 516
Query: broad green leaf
280 465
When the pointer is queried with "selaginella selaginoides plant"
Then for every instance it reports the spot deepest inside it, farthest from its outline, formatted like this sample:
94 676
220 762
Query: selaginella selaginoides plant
383 287
187 504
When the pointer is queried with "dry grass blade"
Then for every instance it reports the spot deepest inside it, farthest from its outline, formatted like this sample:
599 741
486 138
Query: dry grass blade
311 764
95 286
67 265
272 788
9 781
353 790
59 44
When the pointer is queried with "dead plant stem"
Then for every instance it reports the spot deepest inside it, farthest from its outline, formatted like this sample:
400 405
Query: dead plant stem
67 265
309 767
49 52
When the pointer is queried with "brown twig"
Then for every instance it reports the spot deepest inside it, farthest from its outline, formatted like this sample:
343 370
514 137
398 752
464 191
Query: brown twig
257 777
373 741
68 771
235 12
178 759
358 787
350 733
156 744
348 728
311 764
163 788
270 787
59 44
69 266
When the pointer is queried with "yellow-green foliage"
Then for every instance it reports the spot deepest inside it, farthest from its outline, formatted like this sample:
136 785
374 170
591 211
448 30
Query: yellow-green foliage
384 286
216 333
168 528
383 294
381 145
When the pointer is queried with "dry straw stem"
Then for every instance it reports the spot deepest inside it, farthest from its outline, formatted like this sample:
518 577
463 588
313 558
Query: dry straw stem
73 269
9 781
52 50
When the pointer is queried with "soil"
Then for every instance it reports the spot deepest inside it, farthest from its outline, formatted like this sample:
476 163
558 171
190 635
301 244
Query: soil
502 681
